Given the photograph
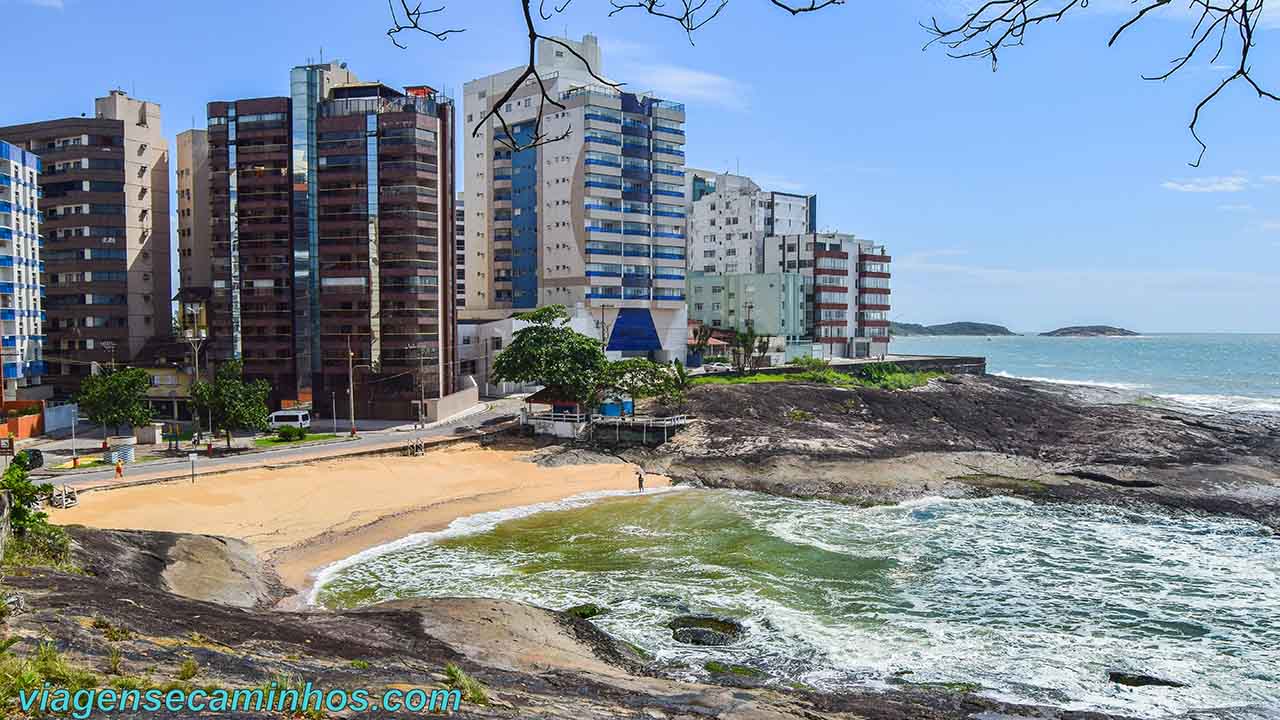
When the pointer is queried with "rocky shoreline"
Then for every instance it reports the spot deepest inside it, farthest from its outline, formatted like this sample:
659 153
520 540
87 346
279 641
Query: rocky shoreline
155 600
970 436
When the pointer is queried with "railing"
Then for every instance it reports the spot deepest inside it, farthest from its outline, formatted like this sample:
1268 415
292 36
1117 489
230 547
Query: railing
561 417
648 420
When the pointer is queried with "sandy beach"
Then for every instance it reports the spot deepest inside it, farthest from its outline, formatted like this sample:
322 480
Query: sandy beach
304 517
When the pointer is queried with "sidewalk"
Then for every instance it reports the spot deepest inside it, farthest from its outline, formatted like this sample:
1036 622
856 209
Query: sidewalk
390 438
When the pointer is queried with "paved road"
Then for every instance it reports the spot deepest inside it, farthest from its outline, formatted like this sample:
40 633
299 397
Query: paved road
365 442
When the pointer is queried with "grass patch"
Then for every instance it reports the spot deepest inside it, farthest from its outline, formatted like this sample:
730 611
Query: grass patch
85 462
587 611
472 690
360 664
798 415
46 665
716 666
42 545
882 376
274 441
189 669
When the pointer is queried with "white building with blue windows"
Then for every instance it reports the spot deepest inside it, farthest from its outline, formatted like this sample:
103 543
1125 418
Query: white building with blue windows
594 219
21 317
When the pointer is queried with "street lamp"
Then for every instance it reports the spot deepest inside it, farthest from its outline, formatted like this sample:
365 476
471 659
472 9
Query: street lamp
351 384
195 341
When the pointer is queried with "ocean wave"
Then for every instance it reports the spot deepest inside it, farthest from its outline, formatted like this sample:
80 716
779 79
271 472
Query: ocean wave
468 525
1225 403
1060 381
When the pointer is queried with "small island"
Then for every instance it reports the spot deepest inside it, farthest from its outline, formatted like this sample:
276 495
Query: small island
1089 331
955 328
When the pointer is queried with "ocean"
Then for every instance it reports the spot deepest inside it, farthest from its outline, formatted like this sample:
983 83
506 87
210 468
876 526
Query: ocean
1213 373
1030 603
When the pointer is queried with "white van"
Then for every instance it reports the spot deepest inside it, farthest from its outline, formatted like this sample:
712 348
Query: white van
290 418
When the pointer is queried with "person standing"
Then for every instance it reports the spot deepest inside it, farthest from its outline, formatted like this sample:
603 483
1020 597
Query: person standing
640 478
119 469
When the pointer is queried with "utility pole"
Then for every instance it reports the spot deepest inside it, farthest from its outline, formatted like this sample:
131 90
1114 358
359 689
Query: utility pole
333 398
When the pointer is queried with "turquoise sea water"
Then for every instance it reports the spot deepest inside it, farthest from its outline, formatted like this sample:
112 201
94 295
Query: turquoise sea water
1210 372
1035 603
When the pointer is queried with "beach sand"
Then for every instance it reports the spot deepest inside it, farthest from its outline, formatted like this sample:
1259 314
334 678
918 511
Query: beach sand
303 517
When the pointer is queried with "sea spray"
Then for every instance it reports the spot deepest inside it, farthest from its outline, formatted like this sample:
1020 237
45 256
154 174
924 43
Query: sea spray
1035 603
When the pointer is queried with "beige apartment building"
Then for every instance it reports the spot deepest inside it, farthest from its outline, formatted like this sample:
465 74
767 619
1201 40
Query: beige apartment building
194 260
105 200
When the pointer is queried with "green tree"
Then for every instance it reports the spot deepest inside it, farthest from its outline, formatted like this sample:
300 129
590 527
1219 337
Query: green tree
701 340
638 378
550 353
116 397
25 495
743 348
233 403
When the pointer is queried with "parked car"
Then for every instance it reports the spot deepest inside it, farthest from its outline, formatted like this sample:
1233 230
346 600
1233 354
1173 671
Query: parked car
290 418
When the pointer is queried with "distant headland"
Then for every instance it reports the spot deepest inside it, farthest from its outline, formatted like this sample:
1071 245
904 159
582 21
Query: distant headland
955 328
1089 331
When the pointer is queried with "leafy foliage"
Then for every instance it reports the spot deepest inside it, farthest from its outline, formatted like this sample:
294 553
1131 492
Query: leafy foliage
25 495
550 353
116 397
637 377
233 403
290 433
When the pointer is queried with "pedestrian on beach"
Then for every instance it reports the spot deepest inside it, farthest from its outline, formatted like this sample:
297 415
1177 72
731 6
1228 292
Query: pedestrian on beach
640 478
119 469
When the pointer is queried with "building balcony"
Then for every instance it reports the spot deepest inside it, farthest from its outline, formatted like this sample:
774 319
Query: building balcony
863 257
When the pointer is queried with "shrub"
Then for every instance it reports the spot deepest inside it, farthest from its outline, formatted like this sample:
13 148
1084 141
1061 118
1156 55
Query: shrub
810 363
289 433
25 496
798 415
188 669
41 545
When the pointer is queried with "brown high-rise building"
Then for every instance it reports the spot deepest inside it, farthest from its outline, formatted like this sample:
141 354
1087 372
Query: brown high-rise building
105 188
332 227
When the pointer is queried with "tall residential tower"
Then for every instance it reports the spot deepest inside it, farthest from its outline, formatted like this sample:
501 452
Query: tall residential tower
105 201
730 216
333 242
21 288
593 221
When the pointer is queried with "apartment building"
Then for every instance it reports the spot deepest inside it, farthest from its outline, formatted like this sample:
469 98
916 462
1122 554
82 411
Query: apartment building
770 304
846 283
731 215
105 185
194 259
21 288
593 221
460 250
333 243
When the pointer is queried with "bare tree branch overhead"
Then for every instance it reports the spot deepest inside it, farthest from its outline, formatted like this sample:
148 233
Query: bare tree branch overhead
1222 28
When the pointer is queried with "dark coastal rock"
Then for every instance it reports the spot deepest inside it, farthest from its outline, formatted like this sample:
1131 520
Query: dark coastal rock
1128 679
975 437
534 662
706 631
586 611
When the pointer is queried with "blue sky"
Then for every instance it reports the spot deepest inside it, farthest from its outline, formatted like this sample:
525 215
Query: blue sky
1055 191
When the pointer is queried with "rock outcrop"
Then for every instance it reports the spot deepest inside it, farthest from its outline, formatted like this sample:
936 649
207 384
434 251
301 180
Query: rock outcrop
121 616
973 437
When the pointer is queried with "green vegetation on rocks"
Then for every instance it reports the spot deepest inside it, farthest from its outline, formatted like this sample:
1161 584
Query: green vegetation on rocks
882 376
586 611
716 666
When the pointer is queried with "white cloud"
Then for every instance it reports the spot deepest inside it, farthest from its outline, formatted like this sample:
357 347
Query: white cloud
1242 207
1271 226
640 67
686 85
54 4
1223 183
1273 179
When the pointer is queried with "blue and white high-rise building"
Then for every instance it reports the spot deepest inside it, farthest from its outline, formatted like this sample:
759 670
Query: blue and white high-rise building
21 316
594 219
